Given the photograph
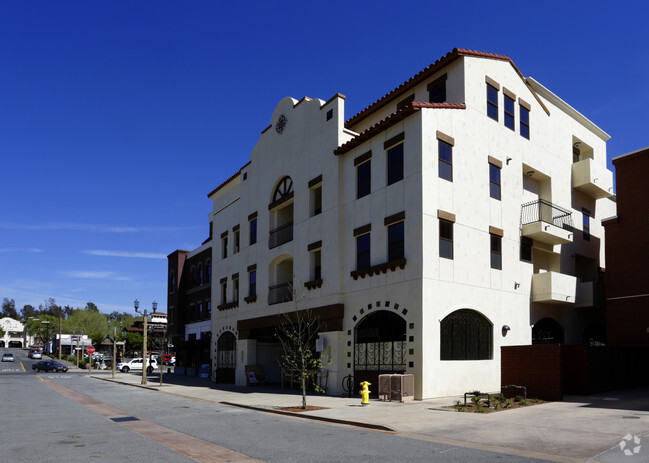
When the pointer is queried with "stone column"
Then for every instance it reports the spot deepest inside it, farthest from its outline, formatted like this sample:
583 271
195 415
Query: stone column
246 355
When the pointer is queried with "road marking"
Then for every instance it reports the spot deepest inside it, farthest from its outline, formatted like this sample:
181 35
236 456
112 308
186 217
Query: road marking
200 450
23 366
40 378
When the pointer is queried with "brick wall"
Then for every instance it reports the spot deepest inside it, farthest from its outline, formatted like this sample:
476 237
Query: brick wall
537 367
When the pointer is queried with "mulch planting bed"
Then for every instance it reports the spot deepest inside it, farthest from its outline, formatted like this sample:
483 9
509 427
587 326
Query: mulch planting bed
498 404
309 408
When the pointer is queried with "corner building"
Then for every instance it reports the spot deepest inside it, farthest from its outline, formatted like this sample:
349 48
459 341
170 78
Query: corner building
456 214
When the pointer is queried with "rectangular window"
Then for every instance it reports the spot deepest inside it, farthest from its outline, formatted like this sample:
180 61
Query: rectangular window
317 200
209 309
586 224
363 251
363 179
396 242
509 113
224 246
492 102
252 283
494 181
395 164
496 252
236 241
445 164
437 90
445 239
253 231
525 122
526 249
235 289
224 292
405 102
317 265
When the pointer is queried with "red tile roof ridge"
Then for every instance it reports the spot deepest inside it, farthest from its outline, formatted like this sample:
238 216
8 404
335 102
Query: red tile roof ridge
424 74
390 121
224 183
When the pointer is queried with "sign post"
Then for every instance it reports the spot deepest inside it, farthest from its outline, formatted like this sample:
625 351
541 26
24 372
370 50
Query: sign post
91 350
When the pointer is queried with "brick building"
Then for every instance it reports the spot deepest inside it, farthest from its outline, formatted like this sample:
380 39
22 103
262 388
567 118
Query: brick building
627 254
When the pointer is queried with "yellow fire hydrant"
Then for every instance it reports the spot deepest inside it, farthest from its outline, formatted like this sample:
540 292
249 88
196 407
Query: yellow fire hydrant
365 393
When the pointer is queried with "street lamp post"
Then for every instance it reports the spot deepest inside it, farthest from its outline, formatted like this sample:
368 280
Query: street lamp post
145 314
114 362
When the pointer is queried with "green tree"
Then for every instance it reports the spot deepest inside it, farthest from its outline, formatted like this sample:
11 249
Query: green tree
50 307
28 311
9 309
87 321
133 341
43 325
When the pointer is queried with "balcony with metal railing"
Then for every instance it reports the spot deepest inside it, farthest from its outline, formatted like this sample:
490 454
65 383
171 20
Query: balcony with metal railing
282 292
546 222
280 235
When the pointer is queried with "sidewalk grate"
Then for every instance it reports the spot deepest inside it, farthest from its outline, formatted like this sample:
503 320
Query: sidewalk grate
121 419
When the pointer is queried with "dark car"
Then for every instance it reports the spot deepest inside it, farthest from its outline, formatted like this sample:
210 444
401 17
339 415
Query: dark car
49 365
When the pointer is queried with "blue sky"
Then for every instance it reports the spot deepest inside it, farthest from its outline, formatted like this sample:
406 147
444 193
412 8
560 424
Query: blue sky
117 118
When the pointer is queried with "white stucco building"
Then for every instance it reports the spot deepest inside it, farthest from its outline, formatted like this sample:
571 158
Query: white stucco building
459 213
14 333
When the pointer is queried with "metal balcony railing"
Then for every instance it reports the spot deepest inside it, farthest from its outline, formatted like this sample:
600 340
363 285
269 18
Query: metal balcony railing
280 235
544 211
280 293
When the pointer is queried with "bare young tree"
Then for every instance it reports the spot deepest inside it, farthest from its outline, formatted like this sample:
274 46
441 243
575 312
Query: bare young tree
297 337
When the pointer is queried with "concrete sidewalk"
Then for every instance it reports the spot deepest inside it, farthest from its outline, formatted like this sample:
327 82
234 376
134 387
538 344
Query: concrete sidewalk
578 429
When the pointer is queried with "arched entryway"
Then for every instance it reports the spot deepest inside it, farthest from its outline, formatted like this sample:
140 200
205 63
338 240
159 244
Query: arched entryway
379 347
547 331
226 357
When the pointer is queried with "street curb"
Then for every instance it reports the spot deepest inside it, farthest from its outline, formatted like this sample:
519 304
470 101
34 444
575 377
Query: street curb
376 427
141 386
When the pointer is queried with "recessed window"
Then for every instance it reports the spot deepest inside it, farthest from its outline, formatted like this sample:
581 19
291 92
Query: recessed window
525 122
253 231
363 179
330 114
509 113
396 241
224 246
395 164
466 335
224 292
496 252
208 266
445 164
586 224
437 90
494 181
363 251
405 102
316 265
252 283
316 200
445 239
236 241
492 102
526 249
235 289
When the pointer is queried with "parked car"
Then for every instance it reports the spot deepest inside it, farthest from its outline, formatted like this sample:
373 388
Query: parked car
49 365
7 357
169 359
35 354
136 364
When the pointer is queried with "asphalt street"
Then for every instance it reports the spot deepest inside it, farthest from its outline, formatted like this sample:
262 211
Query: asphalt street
40 423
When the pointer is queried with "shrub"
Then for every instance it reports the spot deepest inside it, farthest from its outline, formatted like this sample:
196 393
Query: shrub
476 399
523 402
496 405
480 410
518 398
460 409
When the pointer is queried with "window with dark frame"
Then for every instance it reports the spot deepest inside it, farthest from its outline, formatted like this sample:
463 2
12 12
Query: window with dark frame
437 90
396 247
526 249
466 335
496 252
235 289
363 179
224 292
224 246
363 251
317 200
586 223
236 241
494 181
253 231
445 164
525 122
492 102
395 164
510 119
252 283
317 265
405 102
445 239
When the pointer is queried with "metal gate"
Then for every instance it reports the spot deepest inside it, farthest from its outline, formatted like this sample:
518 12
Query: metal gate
379 347
226 358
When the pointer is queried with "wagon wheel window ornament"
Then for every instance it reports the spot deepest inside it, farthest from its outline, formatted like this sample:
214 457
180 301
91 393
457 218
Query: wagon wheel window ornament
284 188
281 124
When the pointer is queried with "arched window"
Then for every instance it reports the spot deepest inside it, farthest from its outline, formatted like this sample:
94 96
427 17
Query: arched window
466 335
547 331
194 272
284 188
201 274
208 264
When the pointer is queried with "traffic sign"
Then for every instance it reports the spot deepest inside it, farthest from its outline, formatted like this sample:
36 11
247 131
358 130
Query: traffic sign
91 350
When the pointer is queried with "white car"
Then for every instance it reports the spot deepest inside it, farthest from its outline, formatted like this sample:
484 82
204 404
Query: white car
136 364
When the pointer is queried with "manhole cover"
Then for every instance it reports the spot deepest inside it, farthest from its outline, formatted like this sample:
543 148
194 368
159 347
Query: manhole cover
124 418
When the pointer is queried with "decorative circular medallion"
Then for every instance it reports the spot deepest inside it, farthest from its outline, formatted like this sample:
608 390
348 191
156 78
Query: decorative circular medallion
281 123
